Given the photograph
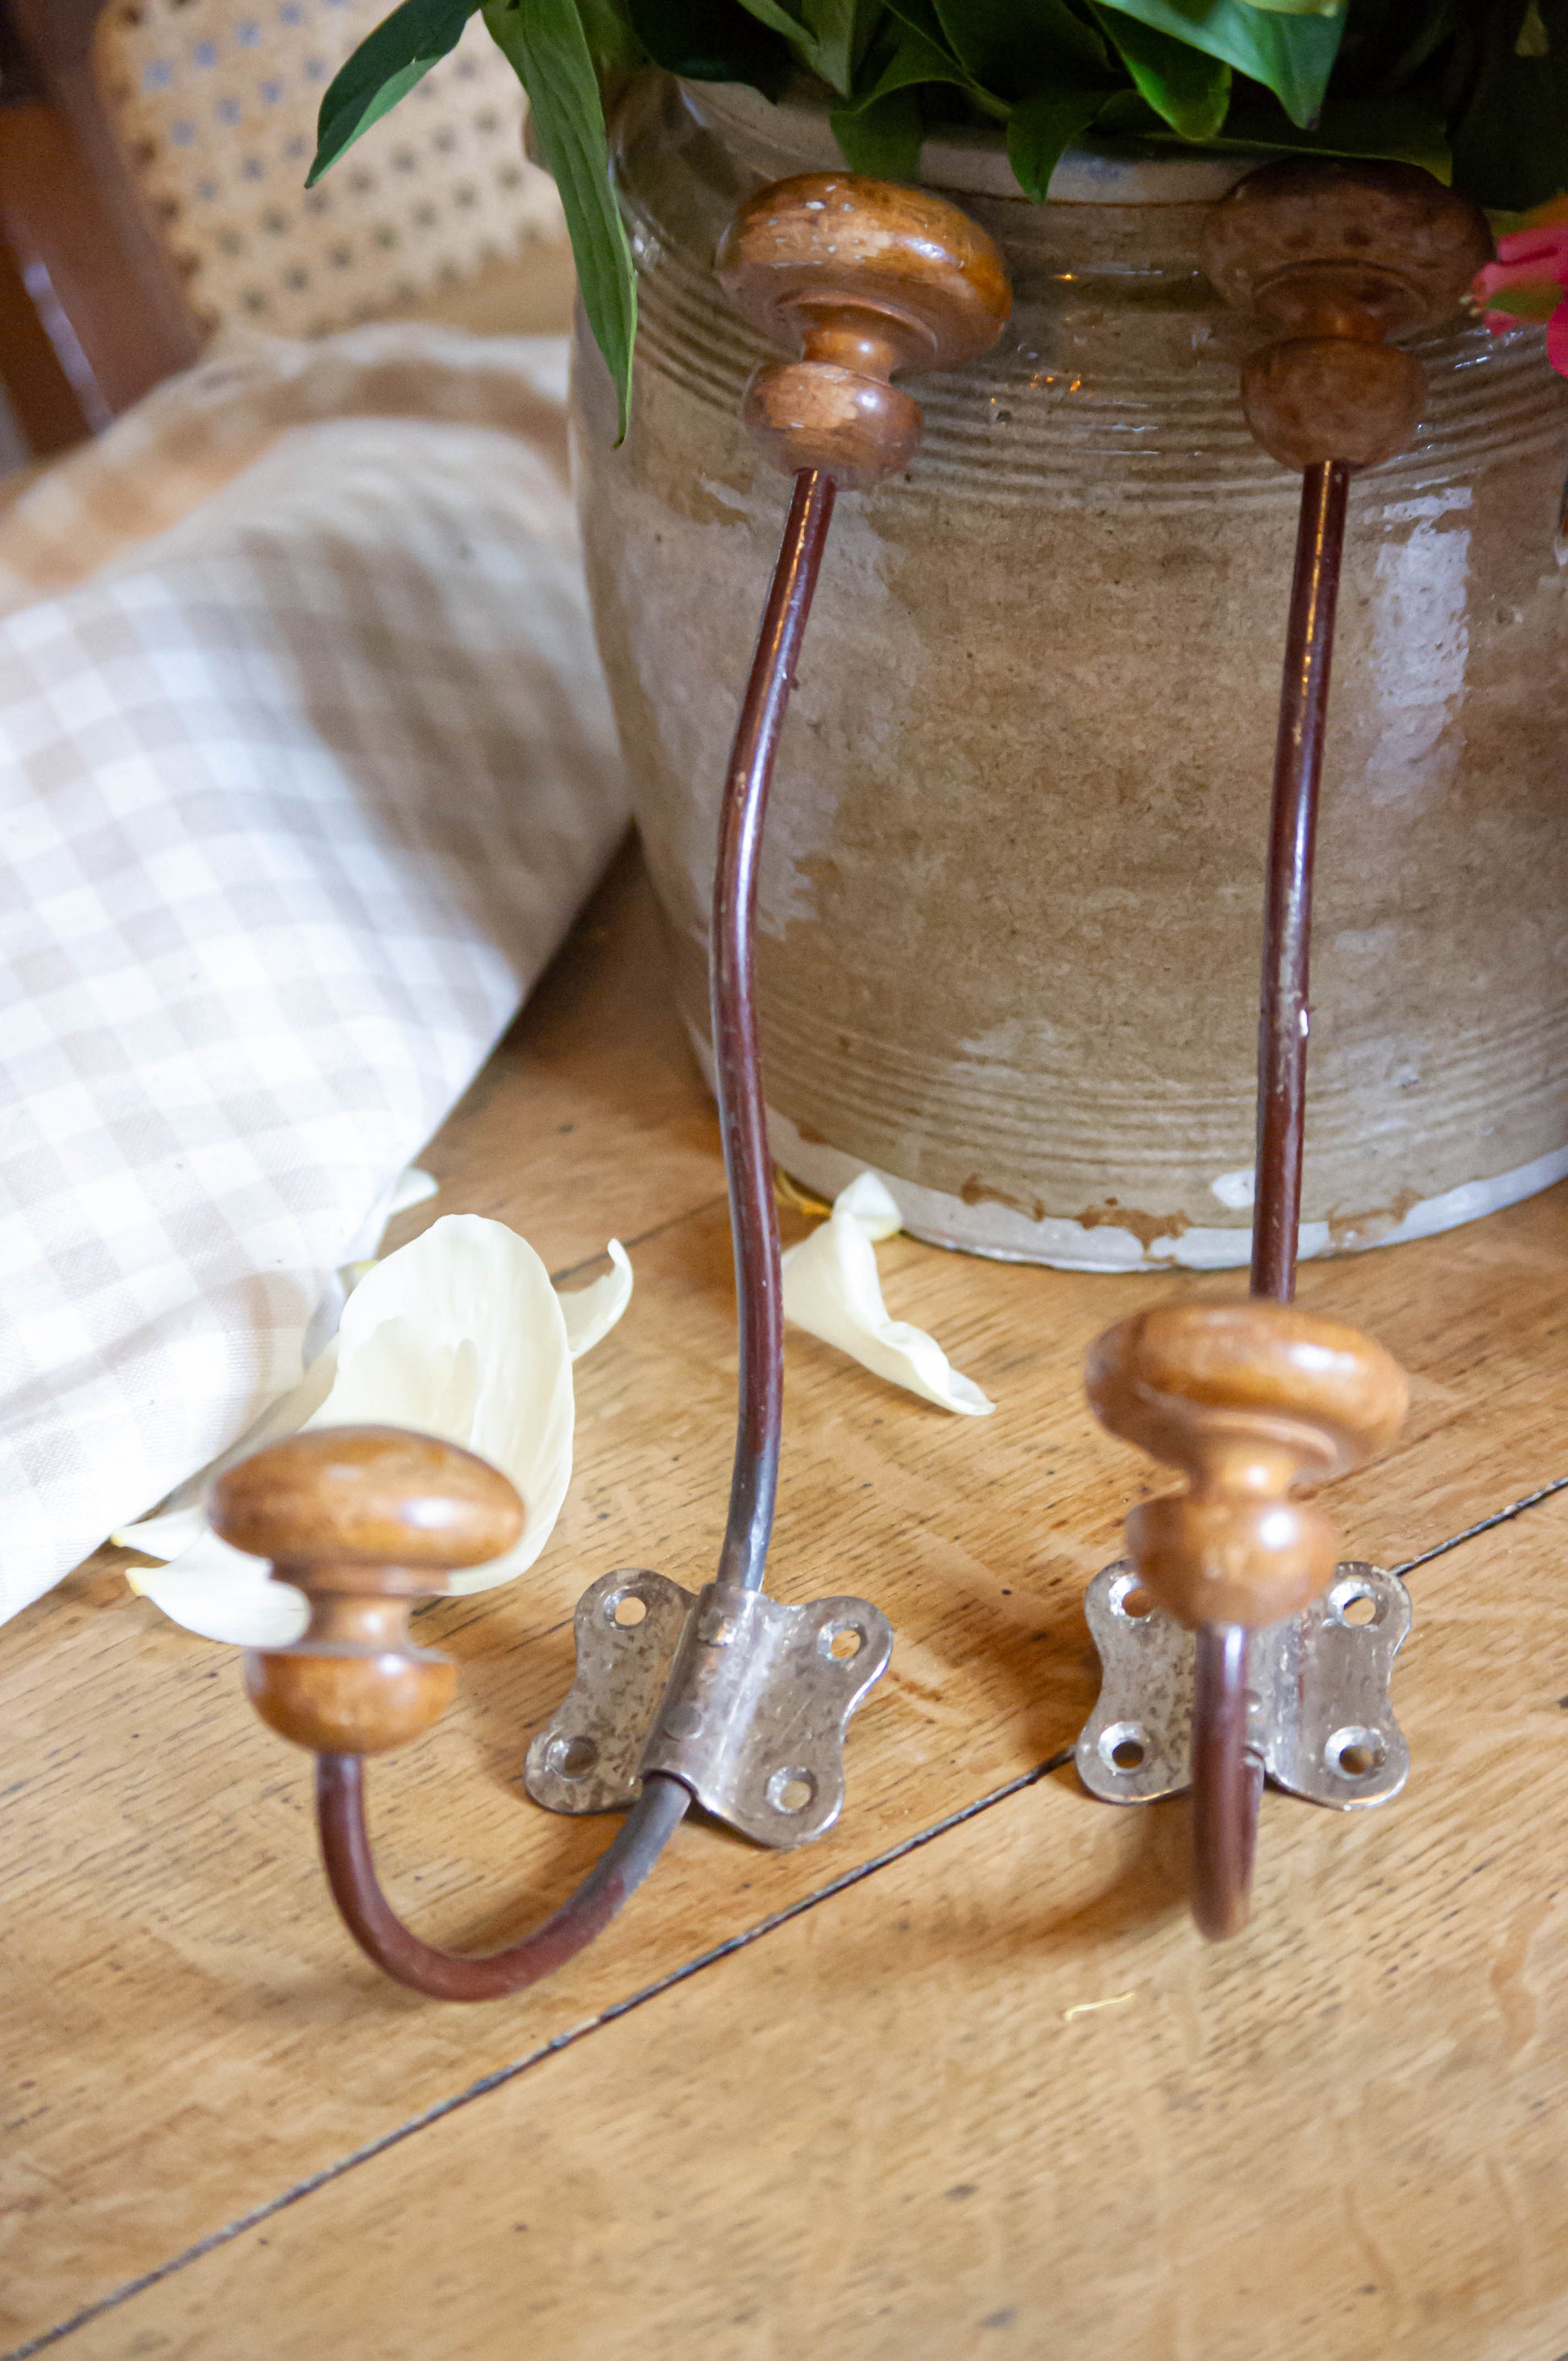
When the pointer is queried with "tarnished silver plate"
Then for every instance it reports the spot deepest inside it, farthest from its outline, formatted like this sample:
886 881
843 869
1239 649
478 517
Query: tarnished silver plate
1318 1712
746 1700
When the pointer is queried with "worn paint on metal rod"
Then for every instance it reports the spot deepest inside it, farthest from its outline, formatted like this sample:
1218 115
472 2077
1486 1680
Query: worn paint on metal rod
452 1975
1227 1782
1227 1778
1283 1019
753 1217
340 1784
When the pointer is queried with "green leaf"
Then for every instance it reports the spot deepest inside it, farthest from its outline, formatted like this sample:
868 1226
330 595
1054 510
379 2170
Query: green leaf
544 41
612 38
1291 56
1014 47
1042 127
920 17
1388 43
712 40
1510 132
881 137
1191 89
782 21
904 57
839 30
1402 126
1534 40
829 35
383 69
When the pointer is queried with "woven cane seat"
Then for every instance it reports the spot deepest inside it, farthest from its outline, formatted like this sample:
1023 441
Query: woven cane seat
215 101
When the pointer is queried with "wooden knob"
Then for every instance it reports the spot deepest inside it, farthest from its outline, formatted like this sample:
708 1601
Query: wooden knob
1248 1400
1335 257
364 1520
861 277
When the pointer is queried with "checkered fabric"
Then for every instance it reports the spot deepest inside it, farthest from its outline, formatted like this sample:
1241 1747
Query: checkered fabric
305 764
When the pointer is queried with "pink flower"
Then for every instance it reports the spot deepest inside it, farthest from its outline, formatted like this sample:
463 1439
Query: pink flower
1530 280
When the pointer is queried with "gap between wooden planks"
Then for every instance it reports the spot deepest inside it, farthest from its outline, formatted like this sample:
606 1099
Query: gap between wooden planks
970 2108
189 2032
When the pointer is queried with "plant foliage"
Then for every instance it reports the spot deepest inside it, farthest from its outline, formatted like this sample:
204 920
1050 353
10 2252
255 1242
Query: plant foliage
1476 91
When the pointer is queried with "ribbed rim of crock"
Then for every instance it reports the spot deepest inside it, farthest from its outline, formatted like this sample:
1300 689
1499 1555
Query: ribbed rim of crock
973 162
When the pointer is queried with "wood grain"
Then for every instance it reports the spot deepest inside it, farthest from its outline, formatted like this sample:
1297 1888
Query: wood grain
364 1520
190 2033
861 277
1248 1401
1332 257
39 394
998 2098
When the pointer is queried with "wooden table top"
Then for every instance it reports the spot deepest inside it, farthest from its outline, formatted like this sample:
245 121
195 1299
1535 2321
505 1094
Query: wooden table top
959 2079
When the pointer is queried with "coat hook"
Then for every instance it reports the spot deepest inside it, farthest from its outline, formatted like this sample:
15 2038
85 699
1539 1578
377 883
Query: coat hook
731 1698
1331 258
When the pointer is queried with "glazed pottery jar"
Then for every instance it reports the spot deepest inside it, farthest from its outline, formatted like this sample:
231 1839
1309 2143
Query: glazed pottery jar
1012 888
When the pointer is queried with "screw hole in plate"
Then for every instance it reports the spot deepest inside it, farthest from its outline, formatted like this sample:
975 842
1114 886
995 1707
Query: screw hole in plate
1356 1753
791 1790
1124 1747
1353 1603
842 1641
1129 1597
573 1758
627 1610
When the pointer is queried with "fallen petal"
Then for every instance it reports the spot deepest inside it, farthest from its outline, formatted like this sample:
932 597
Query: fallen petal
221 1594
459 1334
591 1312
832 1289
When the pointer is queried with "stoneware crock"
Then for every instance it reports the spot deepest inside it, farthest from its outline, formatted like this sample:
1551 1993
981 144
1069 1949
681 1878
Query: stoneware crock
1012 888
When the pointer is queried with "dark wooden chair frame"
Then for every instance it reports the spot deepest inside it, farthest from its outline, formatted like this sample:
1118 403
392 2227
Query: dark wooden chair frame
109 319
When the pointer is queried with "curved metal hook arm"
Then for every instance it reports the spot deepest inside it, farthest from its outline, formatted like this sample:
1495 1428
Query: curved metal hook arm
743 1113
1227 1776
450 1975
1288 908
340 1778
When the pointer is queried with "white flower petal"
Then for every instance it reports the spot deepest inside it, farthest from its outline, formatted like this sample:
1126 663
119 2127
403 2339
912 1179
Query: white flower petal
872 1205
221 1594
831 1288
460 1334
414 1187
592 1311
163 1535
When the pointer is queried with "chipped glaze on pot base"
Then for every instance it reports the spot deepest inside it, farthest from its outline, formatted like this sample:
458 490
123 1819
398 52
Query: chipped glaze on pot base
1006 1235
1013 892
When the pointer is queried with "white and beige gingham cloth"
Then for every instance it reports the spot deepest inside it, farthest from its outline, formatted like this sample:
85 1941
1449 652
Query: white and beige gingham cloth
305 765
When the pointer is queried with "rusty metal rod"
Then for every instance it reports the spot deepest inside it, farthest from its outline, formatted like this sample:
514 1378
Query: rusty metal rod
653 1819
742 1117
1227 1776
1283 1019
1227 1781
451 1975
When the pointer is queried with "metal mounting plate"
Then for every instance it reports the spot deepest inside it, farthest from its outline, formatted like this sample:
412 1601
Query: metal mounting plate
1319 1715
742 1698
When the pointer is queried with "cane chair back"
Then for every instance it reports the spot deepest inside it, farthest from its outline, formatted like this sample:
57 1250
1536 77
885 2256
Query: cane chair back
213 105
